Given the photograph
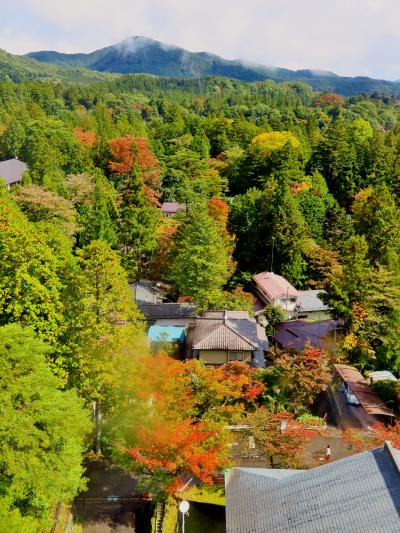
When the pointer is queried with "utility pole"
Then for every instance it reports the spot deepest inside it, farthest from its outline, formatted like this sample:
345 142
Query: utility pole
272 254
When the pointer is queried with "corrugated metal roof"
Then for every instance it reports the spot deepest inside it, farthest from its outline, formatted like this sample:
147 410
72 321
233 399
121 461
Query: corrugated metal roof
310 301
11 170
295 334
166 333
381 375
274 285
359 494
368 398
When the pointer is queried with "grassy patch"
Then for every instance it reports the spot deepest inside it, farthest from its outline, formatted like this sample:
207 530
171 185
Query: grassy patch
205 518
213 495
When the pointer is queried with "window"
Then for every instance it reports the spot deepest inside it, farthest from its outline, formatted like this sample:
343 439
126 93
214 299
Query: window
235 356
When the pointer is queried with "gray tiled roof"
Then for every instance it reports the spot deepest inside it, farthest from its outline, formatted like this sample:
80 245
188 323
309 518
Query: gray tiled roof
220 335
359 494
229 330
11 170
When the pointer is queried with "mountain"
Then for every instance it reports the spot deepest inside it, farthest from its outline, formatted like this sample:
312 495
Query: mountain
144 55
17 69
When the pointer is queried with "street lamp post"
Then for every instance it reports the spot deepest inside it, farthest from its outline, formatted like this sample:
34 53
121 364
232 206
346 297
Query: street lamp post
183 508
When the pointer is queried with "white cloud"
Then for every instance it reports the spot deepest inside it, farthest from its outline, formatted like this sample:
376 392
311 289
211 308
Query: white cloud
353 37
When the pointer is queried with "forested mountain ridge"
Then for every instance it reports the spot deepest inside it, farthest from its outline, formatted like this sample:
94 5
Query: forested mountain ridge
143 55
16 68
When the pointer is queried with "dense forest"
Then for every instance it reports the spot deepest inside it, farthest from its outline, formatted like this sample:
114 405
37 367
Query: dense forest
316 174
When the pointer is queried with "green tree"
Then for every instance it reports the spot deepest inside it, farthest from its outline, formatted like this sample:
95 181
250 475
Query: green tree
274 315
42 432
200 260
103 323
29 284
377 216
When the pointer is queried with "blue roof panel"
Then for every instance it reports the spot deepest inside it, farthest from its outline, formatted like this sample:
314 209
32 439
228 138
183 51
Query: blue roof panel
167 333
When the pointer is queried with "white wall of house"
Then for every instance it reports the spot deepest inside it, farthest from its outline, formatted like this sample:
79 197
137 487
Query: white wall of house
219 357
180 322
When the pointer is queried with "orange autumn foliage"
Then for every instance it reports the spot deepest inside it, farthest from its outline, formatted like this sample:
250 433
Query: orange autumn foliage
219 211
281 435
191 404
166 241
361 440
86 138
180 448
128 151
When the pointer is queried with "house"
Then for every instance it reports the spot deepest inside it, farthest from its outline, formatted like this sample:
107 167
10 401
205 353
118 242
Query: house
272 289
297 334
11 171
145 292
218 337
171 209
309 305
358 494
168 314
350 390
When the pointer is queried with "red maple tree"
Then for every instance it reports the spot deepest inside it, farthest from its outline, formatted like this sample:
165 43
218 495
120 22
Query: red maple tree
280 435
188 408
128 151
360 440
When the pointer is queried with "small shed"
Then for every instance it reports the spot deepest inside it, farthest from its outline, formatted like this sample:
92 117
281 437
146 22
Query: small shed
11 171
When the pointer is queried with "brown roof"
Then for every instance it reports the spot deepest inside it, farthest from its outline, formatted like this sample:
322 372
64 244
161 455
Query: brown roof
274 285
368 399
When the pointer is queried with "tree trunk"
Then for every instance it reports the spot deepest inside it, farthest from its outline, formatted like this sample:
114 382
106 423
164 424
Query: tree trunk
97 419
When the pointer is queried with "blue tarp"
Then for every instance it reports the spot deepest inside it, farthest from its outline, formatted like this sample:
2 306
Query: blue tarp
166 333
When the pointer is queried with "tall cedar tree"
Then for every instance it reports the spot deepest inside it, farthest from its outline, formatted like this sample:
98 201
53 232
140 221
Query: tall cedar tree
200 261
42 435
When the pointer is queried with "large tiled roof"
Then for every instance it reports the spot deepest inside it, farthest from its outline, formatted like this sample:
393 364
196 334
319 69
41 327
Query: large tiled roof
11 170
220 335
359 494
228 330
274 285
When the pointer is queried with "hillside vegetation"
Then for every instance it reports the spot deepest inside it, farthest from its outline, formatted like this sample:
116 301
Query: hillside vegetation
255 163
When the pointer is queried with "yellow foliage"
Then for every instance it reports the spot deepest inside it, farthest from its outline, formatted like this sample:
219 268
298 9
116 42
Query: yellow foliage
269 142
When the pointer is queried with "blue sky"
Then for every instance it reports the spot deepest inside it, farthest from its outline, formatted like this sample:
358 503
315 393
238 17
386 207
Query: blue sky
349 37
